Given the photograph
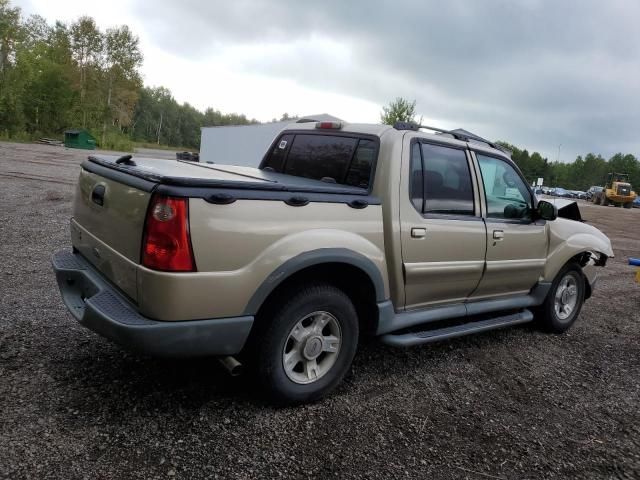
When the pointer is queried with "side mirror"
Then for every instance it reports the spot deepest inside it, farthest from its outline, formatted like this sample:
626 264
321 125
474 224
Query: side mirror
547 210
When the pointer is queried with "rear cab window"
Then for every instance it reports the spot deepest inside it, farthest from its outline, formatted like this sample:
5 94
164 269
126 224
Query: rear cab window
341 159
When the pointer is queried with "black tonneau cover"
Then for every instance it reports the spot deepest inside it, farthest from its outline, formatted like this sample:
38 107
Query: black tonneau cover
179 173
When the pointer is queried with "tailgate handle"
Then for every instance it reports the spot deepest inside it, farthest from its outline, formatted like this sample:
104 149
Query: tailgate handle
97 195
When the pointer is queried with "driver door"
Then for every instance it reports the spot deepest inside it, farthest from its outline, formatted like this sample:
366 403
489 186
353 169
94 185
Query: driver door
516 246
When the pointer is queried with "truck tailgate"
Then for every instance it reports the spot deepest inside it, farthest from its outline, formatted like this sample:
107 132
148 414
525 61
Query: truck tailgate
108 225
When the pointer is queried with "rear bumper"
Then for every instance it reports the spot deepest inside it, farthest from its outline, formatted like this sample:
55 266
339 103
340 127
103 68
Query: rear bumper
97 305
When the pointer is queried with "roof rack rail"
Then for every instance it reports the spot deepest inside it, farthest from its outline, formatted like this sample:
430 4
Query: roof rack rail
415 127
458 134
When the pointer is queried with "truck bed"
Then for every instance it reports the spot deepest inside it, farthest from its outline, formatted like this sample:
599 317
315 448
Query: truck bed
225 201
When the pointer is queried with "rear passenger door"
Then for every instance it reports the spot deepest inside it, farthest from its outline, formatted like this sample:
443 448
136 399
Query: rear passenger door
443 236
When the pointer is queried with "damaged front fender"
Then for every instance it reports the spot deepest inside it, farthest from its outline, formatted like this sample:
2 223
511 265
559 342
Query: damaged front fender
569 239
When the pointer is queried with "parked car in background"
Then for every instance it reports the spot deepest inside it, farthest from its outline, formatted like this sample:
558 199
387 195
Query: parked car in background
579 194
561 192
592 191
636 203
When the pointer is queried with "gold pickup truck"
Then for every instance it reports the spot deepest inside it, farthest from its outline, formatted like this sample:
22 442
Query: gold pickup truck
344 230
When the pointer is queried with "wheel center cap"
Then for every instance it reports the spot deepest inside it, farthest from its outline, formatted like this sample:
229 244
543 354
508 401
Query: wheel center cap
565 297
312 348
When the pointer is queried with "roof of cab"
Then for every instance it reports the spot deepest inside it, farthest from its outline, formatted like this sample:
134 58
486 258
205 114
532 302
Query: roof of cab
379 130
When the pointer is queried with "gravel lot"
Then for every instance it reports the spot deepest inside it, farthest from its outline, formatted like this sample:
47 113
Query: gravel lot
509 404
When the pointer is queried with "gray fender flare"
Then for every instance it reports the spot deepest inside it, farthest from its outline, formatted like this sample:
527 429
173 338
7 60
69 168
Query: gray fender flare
311 258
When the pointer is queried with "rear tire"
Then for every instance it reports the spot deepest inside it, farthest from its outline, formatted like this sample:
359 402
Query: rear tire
628 205
307 344
564 300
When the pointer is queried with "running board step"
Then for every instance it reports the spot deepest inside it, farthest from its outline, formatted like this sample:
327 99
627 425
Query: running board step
429 336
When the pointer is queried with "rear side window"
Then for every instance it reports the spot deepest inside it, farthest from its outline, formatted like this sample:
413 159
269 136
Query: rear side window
343 160
416 182
359 172
447 181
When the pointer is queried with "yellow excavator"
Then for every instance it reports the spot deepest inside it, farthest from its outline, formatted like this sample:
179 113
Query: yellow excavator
617 191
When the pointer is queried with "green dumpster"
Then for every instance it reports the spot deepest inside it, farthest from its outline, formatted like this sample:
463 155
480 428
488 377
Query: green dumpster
79 138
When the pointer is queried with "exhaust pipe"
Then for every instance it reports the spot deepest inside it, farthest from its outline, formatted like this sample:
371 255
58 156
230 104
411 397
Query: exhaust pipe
233 366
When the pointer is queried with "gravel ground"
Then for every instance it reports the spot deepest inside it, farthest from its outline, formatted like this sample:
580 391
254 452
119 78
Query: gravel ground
514 404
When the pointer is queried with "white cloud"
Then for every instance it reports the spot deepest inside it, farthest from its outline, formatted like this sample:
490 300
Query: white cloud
219 77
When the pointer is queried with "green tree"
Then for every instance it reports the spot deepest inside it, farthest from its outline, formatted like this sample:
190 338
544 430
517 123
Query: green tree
54 77
10 82
86 45
10 30
399 110
122 59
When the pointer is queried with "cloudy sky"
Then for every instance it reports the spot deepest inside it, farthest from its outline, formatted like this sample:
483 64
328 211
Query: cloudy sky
537 73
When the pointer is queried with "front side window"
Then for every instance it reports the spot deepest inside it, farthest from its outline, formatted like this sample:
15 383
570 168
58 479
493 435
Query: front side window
506 194
447 181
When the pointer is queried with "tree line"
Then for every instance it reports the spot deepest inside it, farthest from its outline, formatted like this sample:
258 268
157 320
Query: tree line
580 174
54 77
577 175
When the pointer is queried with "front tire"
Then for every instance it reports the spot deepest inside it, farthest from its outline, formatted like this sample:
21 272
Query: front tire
307 345
564 300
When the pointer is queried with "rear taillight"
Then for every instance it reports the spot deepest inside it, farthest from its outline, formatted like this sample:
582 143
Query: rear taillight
167 245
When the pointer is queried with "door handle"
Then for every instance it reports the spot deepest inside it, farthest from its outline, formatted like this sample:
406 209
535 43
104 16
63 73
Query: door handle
418 232
498 234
